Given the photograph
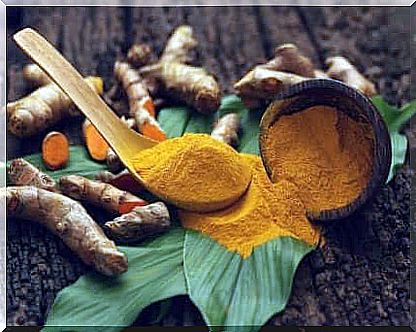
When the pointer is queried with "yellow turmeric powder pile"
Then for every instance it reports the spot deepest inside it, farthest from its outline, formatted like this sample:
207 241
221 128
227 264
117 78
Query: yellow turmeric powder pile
265 212
195 172
327 154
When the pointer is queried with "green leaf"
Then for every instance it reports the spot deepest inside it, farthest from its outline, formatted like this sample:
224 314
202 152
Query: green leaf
395 119
241 294
236 293
155 273
79 163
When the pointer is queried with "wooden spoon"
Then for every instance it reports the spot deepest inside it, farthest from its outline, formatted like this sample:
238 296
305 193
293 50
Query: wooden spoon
125 142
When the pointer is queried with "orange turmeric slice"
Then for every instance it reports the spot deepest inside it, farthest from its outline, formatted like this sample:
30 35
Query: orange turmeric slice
96 145
55 150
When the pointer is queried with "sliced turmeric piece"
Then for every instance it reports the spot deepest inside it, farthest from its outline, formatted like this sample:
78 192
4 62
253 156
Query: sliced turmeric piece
96 145
55 150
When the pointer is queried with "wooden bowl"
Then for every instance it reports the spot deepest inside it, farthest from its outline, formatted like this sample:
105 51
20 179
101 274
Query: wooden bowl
327 92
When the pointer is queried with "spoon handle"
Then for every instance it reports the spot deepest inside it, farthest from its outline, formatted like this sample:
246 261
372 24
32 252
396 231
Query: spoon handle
72 83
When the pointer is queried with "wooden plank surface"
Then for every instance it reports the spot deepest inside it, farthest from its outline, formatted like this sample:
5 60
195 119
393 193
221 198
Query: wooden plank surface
360 276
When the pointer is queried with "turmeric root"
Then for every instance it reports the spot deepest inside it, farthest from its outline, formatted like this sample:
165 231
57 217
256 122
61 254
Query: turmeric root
96 145
113 161
227 128
69 220
192 85
341 69
289 59
139 55
179 45
140 103
100 194
55 150
35 75
139 223
43 108
261 84
123 181
23 173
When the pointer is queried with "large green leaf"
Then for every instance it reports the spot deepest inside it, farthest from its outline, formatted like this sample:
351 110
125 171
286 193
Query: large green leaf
155 273
236 294
241 294
395 118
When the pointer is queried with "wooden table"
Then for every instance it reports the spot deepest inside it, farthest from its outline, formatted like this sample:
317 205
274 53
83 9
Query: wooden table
361 275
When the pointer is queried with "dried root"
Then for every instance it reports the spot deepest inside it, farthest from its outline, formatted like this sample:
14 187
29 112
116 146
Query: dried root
139 55
289 59
33 74
261 85
139 223
341 69
43 108
100 194
123 181
264 81
23 173
141 104
192 85
179 45
69 220
96 145
227 128
55 150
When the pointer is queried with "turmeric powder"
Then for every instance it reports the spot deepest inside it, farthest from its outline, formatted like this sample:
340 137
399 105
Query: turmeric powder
326 153
266 211
194 171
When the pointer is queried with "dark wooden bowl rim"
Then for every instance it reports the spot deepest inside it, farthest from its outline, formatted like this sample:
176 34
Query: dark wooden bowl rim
330 92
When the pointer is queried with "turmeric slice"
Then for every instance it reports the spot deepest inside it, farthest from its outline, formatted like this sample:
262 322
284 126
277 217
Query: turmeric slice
179 45
43 108
140 103
141 222
341 69
70 221
100 194
33 74
23 173
55 150
192 85
227 128
96 145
